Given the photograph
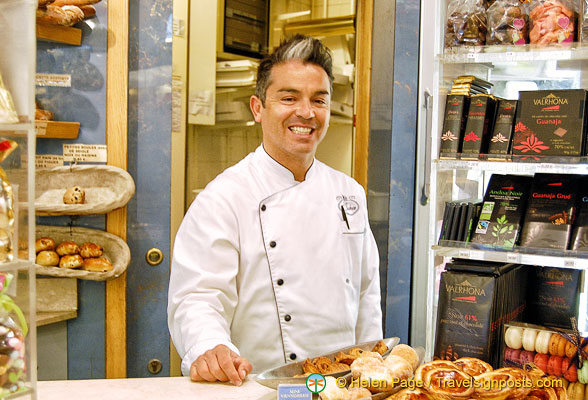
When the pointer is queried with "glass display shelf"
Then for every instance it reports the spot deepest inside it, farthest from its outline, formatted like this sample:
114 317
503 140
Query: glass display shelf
519 255
515 165
16 265
512 53
19 394
17 127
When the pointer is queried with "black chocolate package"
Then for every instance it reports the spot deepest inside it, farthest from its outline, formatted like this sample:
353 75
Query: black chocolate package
550 211
579 241
478 127
499 145
456 109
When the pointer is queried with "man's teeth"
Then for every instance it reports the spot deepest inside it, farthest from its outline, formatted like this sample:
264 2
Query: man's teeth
301 131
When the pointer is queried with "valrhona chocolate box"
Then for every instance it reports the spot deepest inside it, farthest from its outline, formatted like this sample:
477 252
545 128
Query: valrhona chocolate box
550 211
550 123
553 296
500 219
456 109
475 300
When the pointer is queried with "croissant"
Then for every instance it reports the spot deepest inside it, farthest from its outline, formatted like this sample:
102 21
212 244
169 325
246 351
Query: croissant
473 366
497 385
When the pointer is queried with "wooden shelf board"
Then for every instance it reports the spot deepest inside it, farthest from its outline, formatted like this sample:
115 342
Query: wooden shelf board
60 34
51 130
46 318
323 27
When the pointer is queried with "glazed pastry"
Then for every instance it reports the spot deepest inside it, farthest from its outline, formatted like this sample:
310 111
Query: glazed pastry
97 265
71 261
542 342
529 337
473 366
67 248
74 195
309 368
91 250
349 357
447 382
398 367
496 385
47 258
423 369
408 353
44 243
380 347
334 367
544 393
408 394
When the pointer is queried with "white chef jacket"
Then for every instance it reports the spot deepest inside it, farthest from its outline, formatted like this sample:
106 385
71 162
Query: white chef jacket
269 267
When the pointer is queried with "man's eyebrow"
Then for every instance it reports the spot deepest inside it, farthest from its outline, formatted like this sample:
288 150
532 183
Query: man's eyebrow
289 90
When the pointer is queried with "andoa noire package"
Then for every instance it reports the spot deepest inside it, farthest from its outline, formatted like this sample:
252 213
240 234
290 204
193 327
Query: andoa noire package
499 144
550 211
502 211
456 109
550 123
478 126
579 241
475 300
553 296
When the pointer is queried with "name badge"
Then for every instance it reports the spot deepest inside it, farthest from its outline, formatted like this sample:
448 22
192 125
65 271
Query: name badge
294 392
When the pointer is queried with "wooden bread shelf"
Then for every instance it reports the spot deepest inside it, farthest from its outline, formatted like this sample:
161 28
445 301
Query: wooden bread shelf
46 318
59 34
51 130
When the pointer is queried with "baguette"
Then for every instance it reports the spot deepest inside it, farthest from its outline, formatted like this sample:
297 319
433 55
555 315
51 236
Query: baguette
55 15
89 11
74 2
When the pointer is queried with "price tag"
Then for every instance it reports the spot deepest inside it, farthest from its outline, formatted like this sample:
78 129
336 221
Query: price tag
57 80
509 55
178 27
84 152
525 259
471 56
40 128
463 253
48 161
513 258
569 263
299 392
477 255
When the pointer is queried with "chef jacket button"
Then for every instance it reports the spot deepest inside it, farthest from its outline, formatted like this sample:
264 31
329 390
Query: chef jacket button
280 282
273 244
263 207
287 317
292 356
347 280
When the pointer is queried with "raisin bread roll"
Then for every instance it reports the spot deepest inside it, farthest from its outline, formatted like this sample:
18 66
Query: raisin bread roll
91 250
47 258
97 265
68 248
44 243
71 261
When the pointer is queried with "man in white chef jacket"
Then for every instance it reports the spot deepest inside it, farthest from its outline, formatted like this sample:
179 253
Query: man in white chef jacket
275 260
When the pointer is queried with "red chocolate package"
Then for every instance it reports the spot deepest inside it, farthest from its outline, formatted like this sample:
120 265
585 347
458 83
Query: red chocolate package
507 23
552 21
466 23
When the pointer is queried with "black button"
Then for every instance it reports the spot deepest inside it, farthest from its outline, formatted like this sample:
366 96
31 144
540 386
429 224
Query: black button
287 317
263 207
292 356
346 280
273 244
280 282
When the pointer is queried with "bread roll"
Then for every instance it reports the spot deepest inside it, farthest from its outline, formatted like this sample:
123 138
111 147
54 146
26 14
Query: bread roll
91 250
68 248
47 258
74 195
359 393
398 367
97 265
408 353
44 243
333 391
71 261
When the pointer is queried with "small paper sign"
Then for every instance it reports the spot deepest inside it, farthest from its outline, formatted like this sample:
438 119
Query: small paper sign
48 161
59 80
294 392
40 128
84 153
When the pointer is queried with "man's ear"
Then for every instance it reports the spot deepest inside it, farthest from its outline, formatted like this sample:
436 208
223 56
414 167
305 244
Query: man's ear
256 106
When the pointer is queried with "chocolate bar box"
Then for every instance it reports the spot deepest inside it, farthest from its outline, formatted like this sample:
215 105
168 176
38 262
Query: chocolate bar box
481 113
456 109
550 211
579 241
476 298
502 211
499 144
550 123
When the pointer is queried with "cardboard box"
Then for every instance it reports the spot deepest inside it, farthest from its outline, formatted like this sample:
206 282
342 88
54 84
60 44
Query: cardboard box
550 123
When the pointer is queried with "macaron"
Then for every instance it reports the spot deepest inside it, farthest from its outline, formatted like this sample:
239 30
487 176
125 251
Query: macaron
529 337
542 342
513 337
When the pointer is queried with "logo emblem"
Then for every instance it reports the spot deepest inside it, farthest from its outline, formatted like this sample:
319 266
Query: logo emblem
316 383
348 203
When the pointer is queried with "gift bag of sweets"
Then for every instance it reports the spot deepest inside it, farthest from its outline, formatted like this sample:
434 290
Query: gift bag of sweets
507 23
552 21
6 205
8 113
13 329
466 23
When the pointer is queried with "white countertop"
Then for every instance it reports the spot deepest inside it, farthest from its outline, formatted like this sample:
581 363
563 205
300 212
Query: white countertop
176 388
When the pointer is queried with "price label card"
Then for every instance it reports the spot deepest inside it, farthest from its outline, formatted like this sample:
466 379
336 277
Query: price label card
58 80
463 253
178 27
84 152
513 258
40 128
48 161
569 263
298 392
477 255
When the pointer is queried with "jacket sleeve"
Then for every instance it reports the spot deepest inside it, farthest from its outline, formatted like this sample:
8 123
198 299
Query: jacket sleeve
202 288
369 319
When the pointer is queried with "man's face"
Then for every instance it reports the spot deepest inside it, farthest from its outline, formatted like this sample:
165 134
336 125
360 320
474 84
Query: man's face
296 114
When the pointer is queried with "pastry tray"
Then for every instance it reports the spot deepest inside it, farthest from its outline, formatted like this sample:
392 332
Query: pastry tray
115 249
285 374
107 188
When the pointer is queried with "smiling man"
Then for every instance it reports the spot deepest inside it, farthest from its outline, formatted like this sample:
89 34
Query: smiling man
275 261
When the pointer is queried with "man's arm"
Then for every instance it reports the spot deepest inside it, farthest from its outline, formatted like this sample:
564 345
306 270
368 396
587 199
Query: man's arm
202 289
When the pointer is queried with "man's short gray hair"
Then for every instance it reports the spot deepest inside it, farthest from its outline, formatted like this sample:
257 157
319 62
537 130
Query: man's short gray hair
299 47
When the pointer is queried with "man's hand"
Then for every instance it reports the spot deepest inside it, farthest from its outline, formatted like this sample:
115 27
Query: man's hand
220 364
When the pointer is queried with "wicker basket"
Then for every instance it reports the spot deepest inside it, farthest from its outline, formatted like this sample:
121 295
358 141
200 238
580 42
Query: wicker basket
107 188
115 249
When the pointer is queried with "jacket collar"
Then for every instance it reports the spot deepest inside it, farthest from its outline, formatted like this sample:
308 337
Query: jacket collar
277 171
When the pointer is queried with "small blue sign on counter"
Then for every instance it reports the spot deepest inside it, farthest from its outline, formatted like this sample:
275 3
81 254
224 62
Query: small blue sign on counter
293 392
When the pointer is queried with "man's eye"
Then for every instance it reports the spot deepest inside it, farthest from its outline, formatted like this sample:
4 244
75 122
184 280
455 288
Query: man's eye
321 101
288 99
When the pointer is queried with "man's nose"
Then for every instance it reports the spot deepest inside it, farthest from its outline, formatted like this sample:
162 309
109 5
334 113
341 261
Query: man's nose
305 109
